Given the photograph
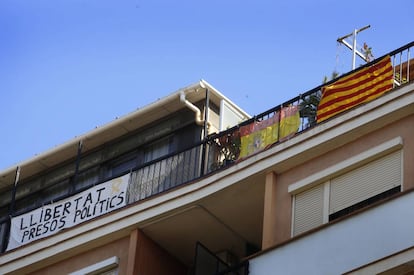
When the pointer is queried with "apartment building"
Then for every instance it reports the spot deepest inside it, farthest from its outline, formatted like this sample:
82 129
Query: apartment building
321 184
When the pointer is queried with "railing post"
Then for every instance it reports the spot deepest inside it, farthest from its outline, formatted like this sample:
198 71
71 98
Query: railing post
206 113
204 155
205 134
11 210
75 175
13 198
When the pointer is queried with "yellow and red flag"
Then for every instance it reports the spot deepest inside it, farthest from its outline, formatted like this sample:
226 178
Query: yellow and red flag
256 136
357 88
289 122
259 135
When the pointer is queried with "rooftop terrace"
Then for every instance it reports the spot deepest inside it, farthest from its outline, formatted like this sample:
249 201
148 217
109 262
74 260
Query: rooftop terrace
268 129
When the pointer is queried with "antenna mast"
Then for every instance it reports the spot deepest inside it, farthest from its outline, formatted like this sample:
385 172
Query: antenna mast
352 47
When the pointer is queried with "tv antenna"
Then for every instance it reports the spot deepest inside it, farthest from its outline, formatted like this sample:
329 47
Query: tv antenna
366 57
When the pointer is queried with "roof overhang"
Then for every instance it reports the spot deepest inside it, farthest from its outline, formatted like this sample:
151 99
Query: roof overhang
137 119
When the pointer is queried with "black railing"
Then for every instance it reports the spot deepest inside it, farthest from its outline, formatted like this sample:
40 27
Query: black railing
241 268
165 173
208 263
220 150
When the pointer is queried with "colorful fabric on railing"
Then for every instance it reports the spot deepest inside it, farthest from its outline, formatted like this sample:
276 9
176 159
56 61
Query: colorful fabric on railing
354 89
259 135
256 136
289 122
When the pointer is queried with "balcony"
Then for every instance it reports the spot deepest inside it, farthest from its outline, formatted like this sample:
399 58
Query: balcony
222 150
346 245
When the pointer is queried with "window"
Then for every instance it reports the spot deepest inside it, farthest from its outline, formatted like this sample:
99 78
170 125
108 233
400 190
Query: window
150 179
87 178
364 203
122 164
157 149
348 192
308 209
365 182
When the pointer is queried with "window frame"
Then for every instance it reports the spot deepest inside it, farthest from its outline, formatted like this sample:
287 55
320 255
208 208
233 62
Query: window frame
325 176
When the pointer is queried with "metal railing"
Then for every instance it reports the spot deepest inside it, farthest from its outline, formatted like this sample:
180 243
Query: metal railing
239 269
208 263
220 150
166 173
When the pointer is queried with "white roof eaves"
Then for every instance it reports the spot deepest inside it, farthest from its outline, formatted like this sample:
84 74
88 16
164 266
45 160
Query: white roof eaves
36 164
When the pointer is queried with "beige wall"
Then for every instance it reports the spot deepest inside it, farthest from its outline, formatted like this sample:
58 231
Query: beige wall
148 258
137 255
116 248
283 200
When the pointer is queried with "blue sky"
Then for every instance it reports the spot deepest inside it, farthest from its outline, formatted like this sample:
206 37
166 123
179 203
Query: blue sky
67 66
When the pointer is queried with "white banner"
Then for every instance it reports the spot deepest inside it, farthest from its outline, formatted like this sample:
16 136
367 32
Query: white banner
52 218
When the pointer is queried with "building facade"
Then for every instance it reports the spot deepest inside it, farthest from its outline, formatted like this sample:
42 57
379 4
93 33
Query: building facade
174 188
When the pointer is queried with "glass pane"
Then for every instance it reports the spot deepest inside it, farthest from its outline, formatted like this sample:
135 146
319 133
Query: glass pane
157 150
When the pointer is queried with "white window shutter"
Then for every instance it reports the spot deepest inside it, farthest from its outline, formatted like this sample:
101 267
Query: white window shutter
366 181
308 209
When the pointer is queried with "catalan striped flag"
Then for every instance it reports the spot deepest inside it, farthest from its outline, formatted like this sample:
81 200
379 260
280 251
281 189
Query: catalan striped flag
357 88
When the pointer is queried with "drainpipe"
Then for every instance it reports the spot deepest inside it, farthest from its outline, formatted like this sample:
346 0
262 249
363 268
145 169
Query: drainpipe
198 117
206 113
